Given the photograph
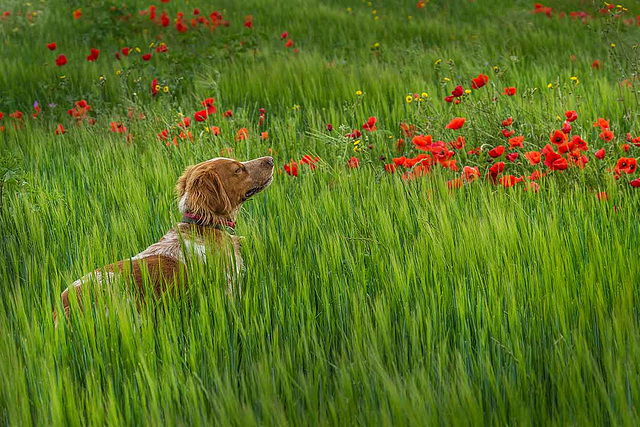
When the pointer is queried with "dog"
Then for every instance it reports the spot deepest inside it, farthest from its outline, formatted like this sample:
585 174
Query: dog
210 195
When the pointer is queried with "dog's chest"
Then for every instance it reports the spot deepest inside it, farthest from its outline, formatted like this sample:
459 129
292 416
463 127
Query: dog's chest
196 248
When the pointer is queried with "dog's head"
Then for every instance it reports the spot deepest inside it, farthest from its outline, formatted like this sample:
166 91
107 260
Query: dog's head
217 188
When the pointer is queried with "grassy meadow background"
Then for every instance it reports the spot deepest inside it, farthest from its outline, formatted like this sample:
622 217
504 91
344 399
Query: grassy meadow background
368 300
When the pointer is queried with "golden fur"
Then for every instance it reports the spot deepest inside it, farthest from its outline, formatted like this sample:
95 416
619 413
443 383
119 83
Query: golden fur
212 191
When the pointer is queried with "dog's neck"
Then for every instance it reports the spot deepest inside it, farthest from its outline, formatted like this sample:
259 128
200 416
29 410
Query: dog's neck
222 224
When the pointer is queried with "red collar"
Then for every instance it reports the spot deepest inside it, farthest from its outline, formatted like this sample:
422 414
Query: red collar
221 224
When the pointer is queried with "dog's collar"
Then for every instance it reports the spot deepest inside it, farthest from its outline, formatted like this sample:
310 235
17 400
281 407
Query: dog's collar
220 224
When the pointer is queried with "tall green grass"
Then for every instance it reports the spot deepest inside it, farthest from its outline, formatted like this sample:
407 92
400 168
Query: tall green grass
366 299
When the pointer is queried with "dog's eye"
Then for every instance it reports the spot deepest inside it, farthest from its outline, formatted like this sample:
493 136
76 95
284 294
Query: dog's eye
238 171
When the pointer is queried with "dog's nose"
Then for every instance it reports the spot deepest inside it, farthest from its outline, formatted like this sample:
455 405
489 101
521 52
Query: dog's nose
268 161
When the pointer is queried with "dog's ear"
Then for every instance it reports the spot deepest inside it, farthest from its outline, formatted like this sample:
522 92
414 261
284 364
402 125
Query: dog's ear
181 185
207 196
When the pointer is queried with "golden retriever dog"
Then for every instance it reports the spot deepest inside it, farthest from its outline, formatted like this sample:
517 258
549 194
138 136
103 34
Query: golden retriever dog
210 196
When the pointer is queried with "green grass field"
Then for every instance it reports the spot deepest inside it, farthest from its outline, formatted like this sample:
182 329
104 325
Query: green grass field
369 299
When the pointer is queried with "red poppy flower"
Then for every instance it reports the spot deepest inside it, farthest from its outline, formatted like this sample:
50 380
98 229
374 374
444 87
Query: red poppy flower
579 143
448 98
458 144
228 113
516 141
242 134
507 133
390 168
59 130
51 46
354 135
200 116
186 122
558 137
509 181
284 35
248 21
164 19
77 13
309 160
16 115
559 164
162 48
478 82
496 168
215 130
208 104
507 122
154 89
291 168
510 91
370 125
571 115
596 65
456 123
422 142
164 135
600 154
566 128
626 147
353 163
458 91
512 157
93 55
146 57
400 161
181 27
601 123
555 161
635 183
470 174
534 157
606 135
496 152
61 60
118 127
264 135
626 164
289 43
